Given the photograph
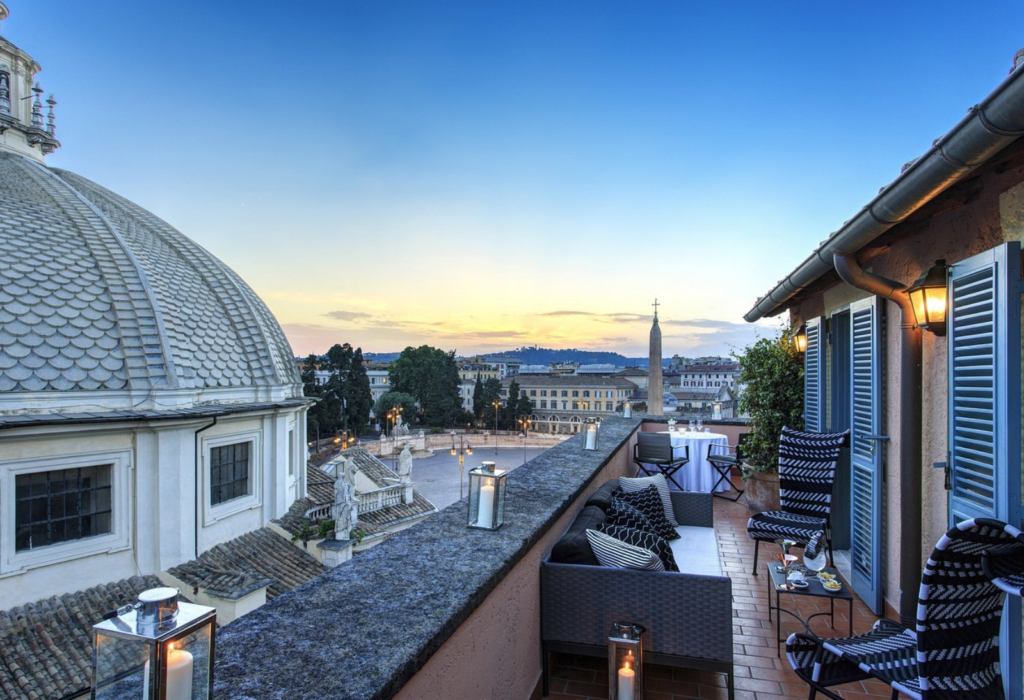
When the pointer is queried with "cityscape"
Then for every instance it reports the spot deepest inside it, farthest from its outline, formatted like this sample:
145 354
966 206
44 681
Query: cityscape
515 350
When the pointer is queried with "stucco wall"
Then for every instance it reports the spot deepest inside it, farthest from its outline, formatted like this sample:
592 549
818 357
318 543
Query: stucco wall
991 214
495 650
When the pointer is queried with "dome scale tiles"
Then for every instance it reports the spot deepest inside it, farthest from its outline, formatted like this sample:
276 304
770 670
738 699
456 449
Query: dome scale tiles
97 293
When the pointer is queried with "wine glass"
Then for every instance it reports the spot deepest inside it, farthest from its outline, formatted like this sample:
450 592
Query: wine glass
814 553
691 425
700 425
786 559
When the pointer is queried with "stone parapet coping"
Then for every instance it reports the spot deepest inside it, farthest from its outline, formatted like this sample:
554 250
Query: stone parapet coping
364 629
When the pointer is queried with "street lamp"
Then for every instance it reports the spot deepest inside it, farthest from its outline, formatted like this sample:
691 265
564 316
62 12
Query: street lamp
463 449
525 423
393 415
497 405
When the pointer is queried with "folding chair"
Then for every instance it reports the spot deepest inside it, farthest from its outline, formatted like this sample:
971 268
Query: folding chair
724 462
656 450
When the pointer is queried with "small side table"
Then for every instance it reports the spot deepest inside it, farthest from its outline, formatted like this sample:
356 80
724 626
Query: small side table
777 582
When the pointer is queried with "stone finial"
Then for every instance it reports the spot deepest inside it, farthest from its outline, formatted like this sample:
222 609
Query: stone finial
37 108
51 127
4 12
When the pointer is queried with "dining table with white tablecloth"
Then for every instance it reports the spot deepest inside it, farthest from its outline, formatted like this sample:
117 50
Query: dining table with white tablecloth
698 474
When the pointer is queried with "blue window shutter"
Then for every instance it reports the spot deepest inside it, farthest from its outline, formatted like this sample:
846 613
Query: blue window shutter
984 413
814 374
865 458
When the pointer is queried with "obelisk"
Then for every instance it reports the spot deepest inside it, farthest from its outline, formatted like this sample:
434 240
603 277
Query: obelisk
654 398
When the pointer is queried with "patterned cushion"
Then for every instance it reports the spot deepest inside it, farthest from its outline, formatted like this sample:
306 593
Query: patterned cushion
613 552
624 515
643 539
776 524
649 503
814 544
658 481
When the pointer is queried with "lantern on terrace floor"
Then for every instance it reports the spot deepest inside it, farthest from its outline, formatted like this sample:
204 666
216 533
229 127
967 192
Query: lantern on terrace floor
627 410
156 649
487 497
928 298
625 662
591 431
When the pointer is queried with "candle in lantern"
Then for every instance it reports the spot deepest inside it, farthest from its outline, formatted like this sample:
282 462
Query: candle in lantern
485 514
626 676
179 674
591 440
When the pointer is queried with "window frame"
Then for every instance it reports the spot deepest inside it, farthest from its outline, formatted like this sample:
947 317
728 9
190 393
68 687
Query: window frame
254 499
119 538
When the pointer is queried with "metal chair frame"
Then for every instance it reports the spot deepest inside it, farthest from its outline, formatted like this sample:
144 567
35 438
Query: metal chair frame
724 467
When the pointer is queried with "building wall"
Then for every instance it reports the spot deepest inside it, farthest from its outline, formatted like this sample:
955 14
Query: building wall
154 496
994 214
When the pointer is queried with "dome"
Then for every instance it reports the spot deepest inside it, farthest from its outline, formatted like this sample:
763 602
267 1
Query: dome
97 294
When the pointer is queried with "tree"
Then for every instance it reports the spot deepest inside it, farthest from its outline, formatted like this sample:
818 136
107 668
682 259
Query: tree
509 414
479 404
525 407
432 377
358 394
347 393
773 373
491 393
390 400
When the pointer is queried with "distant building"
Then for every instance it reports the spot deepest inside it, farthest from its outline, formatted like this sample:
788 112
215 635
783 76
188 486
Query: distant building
470 371
637 376
709 376
561 403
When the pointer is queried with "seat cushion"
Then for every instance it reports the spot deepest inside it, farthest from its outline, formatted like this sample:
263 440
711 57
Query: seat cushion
602 498
574 547
777 524
648 502
644 539
695 550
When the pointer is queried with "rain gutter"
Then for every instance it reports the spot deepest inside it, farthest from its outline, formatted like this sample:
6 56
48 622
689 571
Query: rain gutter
989 127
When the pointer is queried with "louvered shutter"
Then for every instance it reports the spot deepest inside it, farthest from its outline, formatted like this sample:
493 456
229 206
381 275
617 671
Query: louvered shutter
814 373
865 457
984 386
984 414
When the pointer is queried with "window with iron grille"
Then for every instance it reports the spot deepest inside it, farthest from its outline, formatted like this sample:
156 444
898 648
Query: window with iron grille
229 472
61 505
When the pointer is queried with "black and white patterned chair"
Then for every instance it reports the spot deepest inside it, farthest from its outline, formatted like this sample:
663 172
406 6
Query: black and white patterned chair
807 471
954 650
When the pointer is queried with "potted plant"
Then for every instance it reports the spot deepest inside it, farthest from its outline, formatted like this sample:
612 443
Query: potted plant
772 373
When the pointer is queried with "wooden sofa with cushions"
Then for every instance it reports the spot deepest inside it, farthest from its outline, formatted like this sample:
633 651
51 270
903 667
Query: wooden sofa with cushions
687 614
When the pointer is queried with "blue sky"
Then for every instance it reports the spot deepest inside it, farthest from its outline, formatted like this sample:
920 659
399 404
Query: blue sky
484 175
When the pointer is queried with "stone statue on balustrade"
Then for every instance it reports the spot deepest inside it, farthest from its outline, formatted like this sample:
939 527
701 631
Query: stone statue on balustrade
346 504
405 465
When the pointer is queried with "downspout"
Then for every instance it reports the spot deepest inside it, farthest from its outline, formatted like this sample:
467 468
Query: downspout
909 429
199 506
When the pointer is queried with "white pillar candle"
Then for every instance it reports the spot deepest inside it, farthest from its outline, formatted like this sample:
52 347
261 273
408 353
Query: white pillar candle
591 440
145 682
485 514
179 675
626 675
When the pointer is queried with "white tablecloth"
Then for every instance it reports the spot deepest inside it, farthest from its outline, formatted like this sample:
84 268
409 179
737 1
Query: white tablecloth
698 475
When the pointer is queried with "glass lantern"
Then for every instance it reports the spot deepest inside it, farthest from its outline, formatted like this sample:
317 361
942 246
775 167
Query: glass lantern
627 410
157 649
487 497
591 431
928 298
625 662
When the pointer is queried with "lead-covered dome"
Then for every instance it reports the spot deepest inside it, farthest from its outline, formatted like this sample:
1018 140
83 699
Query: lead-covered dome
98 294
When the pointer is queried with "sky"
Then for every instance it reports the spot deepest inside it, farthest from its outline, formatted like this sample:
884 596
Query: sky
482 176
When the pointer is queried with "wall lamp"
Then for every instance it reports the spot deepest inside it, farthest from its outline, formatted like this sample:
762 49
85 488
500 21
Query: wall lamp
928 298
800 339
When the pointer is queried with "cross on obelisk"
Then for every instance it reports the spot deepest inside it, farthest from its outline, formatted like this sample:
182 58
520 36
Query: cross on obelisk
655 305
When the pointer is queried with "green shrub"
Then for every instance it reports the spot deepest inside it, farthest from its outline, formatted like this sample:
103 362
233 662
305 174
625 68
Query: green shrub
773 374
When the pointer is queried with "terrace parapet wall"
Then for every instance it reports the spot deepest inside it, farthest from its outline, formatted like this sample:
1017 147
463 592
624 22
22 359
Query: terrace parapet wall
437 609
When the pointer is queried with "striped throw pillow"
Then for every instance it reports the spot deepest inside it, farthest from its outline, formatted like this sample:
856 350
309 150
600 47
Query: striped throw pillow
616 553
644 540
658 481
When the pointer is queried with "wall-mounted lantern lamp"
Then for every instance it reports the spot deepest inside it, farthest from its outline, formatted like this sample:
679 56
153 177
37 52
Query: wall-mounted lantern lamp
800 339
487 497
591 431
625 662
155 649
928 298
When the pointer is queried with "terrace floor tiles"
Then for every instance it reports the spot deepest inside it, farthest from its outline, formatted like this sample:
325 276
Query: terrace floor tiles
760 673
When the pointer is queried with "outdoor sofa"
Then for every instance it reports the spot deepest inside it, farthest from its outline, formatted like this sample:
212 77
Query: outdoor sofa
687 614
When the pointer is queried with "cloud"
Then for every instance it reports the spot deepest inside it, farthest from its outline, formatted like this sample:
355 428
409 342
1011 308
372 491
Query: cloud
347 315
568 313
488 334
